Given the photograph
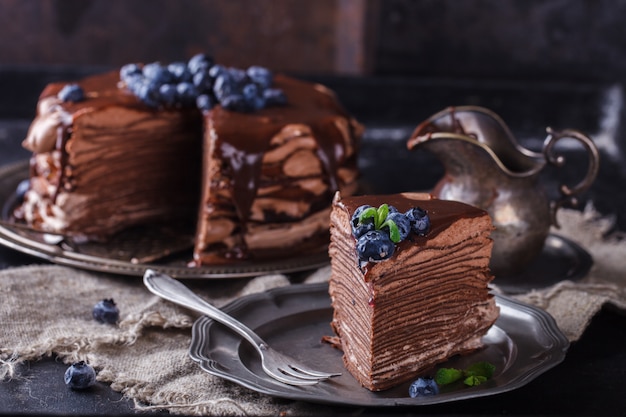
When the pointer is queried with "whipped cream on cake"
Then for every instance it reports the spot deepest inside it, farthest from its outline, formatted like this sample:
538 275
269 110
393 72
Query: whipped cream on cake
248 159
403 305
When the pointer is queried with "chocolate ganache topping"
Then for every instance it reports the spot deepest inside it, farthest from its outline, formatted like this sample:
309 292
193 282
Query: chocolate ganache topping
441 216
245 137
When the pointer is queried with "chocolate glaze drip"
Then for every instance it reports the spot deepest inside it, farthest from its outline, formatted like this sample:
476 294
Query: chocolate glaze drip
243 138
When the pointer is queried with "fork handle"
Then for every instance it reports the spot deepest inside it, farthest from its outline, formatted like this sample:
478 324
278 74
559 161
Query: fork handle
173 290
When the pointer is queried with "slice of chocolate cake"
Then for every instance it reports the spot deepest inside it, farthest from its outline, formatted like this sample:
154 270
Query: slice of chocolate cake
409 283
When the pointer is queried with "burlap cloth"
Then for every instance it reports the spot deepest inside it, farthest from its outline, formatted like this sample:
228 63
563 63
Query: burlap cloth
46 310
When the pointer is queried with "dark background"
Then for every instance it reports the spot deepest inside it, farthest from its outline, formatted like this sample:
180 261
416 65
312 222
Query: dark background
554 40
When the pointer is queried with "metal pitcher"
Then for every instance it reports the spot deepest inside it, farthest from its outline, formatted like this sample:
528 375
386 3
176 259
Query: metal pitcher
486 167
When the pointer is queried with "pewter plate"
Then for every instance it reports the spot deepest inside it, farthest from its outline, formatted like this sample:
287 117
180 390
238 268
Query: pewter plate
524 343
130 252
134 251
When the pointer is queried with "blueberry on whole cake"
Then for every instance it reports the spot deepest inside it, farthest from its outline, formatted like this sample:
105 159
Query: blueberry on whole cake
248 159
409 284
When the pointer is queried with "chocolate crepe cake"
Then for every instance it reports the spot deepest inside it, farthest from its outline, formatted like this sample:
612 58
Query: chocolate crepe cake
409 284
250 160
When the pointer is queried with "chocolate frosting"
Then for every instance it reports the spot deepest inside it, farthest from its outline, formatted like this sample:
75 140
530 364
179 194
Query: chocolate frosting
245 137
442 213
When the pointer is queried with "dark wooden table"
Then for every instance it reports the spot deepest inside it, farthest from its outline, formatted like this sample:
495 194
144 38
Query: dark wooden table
592 379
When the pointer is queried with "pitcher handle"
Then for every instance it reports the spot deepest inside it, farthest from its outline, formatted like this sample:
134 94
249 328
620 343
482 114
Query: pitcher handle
568 194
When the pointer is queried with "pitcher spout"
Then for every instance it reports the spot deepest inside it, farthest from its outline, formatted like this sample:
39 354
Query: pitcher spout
485 130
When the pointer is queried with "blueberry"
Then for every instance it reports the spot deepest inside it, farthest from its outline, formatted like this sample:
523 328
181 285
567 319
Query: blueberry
199 62
147 92
403 223
235 102
80 375
374 246
186 93
203 81
130 71
260 76
224 86
134 83
423 387
217 70
274 97
419 219
167 94
157 73
204 102
179 72
253 97
106 311
360 228
71 92
238 76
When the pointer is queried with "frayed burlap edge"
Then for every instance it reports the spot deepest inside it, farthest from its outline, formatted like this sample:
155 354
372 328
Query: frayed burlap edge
574 304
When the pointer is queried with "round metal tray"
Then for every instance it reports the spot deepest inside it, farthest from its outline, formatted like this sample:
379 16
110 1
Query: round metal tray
127 253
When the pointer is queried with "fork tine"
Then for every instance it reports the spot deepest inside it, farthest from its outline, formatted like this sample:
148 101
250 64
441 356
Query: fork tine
295 372
313 373
283 377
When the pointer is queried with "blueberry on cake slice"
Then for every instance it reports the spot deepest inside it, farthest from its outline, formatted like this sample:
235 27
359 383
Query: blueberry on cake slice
409 283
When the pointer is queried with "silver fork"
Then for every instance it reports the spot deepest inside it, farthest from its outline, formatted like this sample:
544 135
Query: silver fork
275 364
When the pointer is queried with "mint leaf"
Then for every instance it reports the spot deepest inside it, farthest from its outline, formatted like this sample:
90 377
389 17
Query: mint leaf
474 380
481 369
473 375
445 376
394 232
366 214
381 215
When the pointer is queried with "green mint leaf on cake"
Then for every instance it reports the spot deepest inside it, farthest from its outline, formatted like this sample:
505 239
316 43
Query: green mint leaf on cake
381 215
394 232
368 213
